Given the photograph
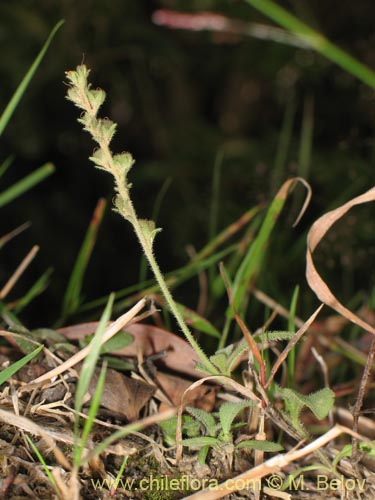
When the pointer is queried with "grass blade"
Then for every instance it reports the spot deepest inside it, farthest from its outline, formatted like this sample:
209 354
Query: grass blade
20 187
14 367
315 40
14 101
6 164
44 464
72 296
36 289
86 373
93 410
89 364
252 261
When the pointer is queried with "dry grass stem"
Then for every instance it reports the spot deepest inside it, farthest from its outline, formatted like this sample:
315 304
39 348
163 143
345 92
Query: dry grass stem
18 272
291 344
114 328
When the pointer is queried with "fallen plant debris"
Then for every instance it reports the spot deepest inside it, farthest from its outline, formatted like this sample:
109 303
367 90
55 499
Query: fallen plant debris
316 233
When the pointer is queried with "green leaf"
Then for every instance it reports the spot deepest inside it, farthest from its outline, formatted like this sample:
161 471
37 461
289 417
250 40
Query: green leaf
219 359
190 427
119 364
267 446
228 412
25 341
202 454
320 403
273 336
198 442
25 184
368 448
205 418
117 342
205 369
13 103
240 348
346 451
14 367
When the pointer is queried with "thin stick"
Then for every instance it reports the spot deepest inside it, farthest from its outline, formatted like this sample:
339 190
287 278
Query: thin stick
361 394
291 344
15 232
18 272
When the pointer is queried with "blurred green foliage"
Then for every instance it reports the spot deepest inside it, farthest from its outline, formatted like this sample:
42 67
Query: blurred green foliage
180 98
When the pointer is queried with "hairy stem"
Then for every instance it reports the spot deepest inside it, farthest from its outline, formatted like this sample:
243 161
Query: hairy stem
102 131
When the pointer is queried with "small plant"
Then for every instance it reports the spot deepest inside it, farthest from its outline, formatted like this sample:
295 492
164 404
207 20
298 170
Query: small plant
218 433
102 131
320 403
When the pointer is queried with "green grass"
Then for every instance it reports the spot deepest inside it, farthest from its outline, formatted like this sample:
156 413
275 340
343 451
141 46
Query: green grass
315 40
17 96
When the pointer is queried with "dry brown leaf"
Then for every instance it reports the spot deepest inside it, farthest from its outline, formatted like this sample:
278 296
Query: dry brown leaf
122 394
149 340
316 234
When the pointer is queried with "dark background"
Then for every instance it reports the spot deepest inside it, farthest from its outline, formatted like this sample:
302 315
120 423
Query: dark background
180 98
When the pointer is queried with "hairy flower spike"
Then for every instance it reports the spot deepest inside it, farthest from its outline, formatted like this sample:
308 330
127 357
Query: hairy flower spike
102 131
108 129
78 78
123 161
96 98
99 159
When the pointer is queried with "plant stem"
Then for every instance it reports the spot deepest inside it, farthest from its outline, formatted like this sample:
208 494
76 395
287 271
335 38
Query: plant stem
147 248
